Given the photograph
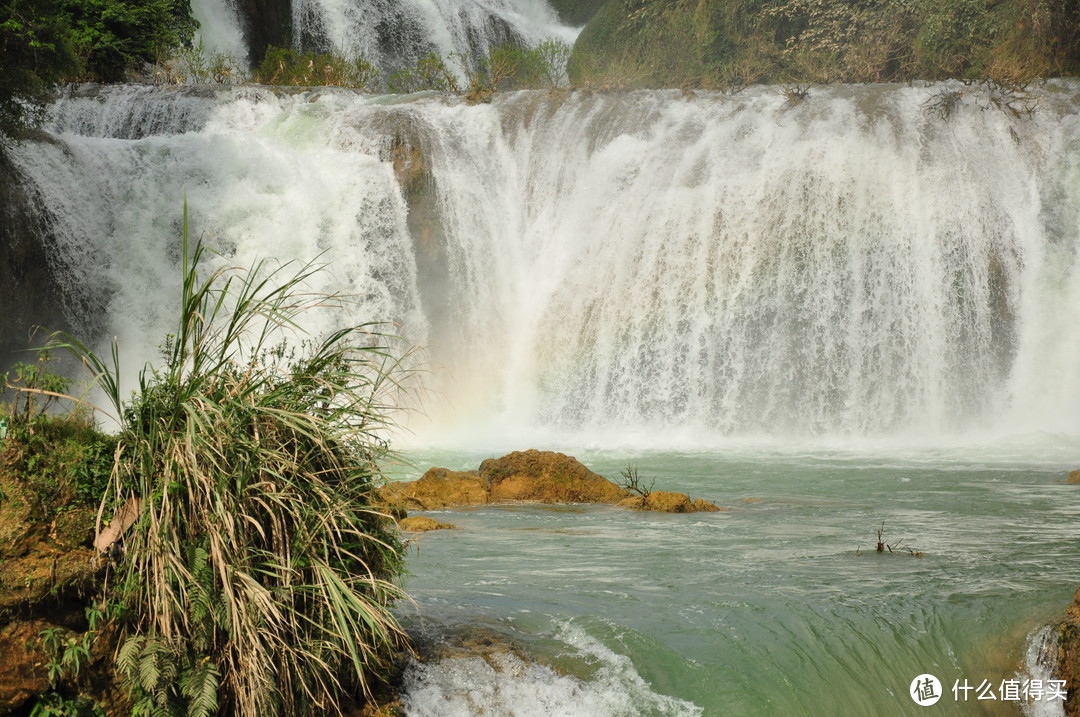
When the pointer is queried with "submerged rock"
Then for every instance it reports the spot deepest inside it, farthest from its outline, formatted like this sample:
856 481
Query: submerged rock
667 502
422 523
530 476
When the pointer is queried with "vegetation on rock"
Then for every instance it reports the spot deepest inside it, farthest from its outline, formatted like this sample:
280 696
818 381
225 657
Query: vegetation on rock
257 577
696 43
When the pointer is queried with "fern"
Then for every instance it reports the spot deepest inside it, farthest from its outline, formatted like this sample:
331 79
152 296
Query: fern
200 686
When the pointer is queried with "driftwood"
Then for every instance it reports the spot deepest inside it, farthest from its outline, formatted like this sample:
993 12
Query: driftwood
121 521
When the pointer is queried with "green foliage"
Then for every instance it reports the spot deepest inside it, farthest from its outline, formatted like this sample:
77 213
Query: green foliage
37 53
112 37
68 653
194 65
37 387
576 12
53 704
44 42
513 67
258 576
63 459
429 73
634 43
282 66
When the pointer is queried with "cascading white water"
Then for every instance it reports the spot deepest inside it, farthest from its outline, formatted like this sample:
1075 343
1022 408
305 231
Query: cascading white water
219 28
395 33
647 266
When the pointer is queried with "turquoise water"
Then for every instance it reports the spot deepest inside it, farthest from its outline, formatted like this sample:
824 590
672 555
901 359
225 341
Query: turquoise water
764 609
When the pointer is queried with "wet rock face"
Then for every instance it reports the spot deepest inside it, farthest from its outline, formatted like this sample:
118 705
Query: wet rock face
22 664
29 293
265 22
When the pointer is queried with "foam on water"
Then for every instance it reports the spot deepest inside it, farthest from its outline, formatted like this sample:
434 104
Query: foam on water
505 685
1040 663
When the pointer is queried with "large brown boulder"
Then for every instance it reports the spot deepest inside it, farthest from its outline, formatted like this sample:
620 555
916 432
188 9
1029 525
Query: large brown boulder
438 488
546 477
1074 477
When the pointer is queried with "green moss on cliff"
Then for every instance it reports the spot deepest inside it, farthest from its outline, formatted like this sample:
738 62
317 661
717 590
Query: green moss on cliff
698 43
576 12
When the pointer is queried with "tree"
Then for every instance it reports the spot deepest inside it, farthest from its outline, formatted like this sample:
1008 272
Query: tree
44 42
37 53
111 37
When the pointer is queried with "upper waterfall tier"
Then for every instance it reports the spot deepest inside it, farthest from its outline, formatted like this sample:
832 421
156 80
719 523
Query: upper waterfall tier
390 33
651 265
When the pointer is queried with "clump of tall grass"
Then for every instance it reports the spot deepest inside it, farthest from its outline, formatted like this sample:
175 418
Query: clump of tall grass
257 578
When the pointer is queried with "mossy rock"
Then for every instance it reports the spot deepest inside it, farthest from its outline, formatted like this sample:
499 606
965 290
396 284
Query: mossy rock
438 488
576 12
546 477
422 524
663 501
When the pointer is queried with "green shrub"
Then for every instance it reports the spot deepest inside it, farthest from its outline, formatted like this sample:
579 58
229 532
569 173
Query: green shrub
113 37
282 66
258 577
428 73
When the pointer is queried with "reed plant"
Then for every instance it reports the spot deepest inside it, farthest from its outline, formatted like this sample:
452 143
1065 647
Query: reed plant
257 577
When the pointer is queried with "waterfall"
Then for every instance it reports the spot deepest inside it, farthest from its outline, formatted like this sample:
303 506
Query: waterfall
219 28
395 33
650 266
1041 666
392 34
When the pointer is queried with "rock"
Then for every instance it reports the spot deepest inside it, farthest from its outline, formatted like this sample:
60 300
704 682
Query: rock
22 664
576 12
48 574
546 477
436 489
1074 477
1068 662
527 477
422 523
703 506
663 501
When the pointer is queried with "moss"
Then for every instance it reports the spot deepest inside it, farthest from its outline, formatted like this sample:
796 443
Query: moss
576 12
57 464
696 43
